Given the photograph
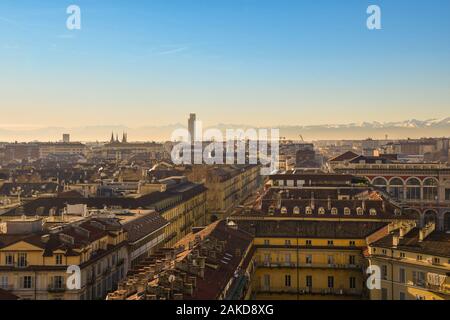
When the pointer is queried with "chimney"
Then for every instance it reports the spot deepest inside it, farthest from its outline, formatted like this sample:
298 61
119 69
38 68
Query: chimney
405 228
395 241
426 231
364 205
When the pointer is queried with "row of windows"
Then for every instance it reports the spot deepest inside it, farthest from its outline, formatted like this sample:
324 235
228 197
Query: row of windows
309 281
309 259
330 243
419 257
322 210
28 282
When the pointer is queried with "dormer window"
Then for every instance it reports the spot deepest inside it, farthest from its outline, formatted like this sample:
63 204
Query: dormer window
296 210
321 210
359 211
347 211
373 212
334 211
271 210
283 210
308 210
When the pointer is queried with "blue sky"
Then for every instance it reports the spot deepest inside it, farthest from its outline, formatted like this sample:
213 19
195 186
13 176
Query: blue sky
259 62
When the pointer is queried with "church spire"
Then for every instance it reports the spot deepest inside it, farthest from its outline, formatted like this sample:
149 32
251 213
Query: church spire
112 137
124 138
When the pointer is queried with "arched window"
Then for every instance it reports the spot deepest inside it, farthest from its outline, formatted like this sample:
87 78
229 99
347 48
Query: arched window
373 211
359 211
380 183
413 189
447 221
334 211
296 210
429 216
347 211
396 188
308 210
283 210
321 210
430 189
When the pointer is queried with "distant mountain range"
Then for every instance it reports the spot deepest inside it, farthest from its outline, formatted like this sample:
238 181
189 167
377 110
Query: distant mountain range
376 130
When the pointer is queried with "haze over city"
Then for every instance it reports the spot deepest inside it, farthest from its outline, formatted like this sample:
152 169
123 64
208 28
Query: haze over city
153 62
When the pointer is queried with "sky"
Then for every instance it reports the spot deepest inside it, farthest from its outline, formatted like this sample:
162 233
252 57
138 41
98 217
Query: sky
253 62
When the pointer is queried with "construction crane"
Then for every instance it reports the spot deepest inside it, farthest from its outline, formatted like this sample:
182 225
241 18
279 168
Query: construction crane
301 137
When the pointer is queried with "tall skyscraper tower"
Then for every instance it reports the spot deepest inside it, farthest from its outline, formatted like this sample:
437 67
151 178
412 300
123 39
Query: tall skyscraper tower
191 127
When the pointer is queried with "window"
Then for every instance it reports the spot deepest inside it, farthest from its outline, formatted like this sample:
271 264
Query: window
267 258
402 255
436 261
330 242
352 260
58 282
330 282
384 251
287 280
373 211
396 188
287 242
283 210
402 275
352 283
430 189
309 281
59 259
26 282
309 210
352 243
419 258
308 242
4 282
266 242
380 183
321 210
334 211
9 259
413 189
296 210
309 259
359 211
419 278
266 280
330 260
384 294
22 262
287 258
384 272
99 268
347 211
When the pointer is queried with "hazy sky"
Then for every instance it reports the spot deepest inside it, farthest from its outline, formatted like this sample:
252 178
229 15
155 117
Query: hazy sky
256 62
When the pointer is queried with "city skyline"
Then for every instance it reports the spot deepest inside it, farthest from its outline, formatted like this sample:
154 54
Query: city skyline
153 63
